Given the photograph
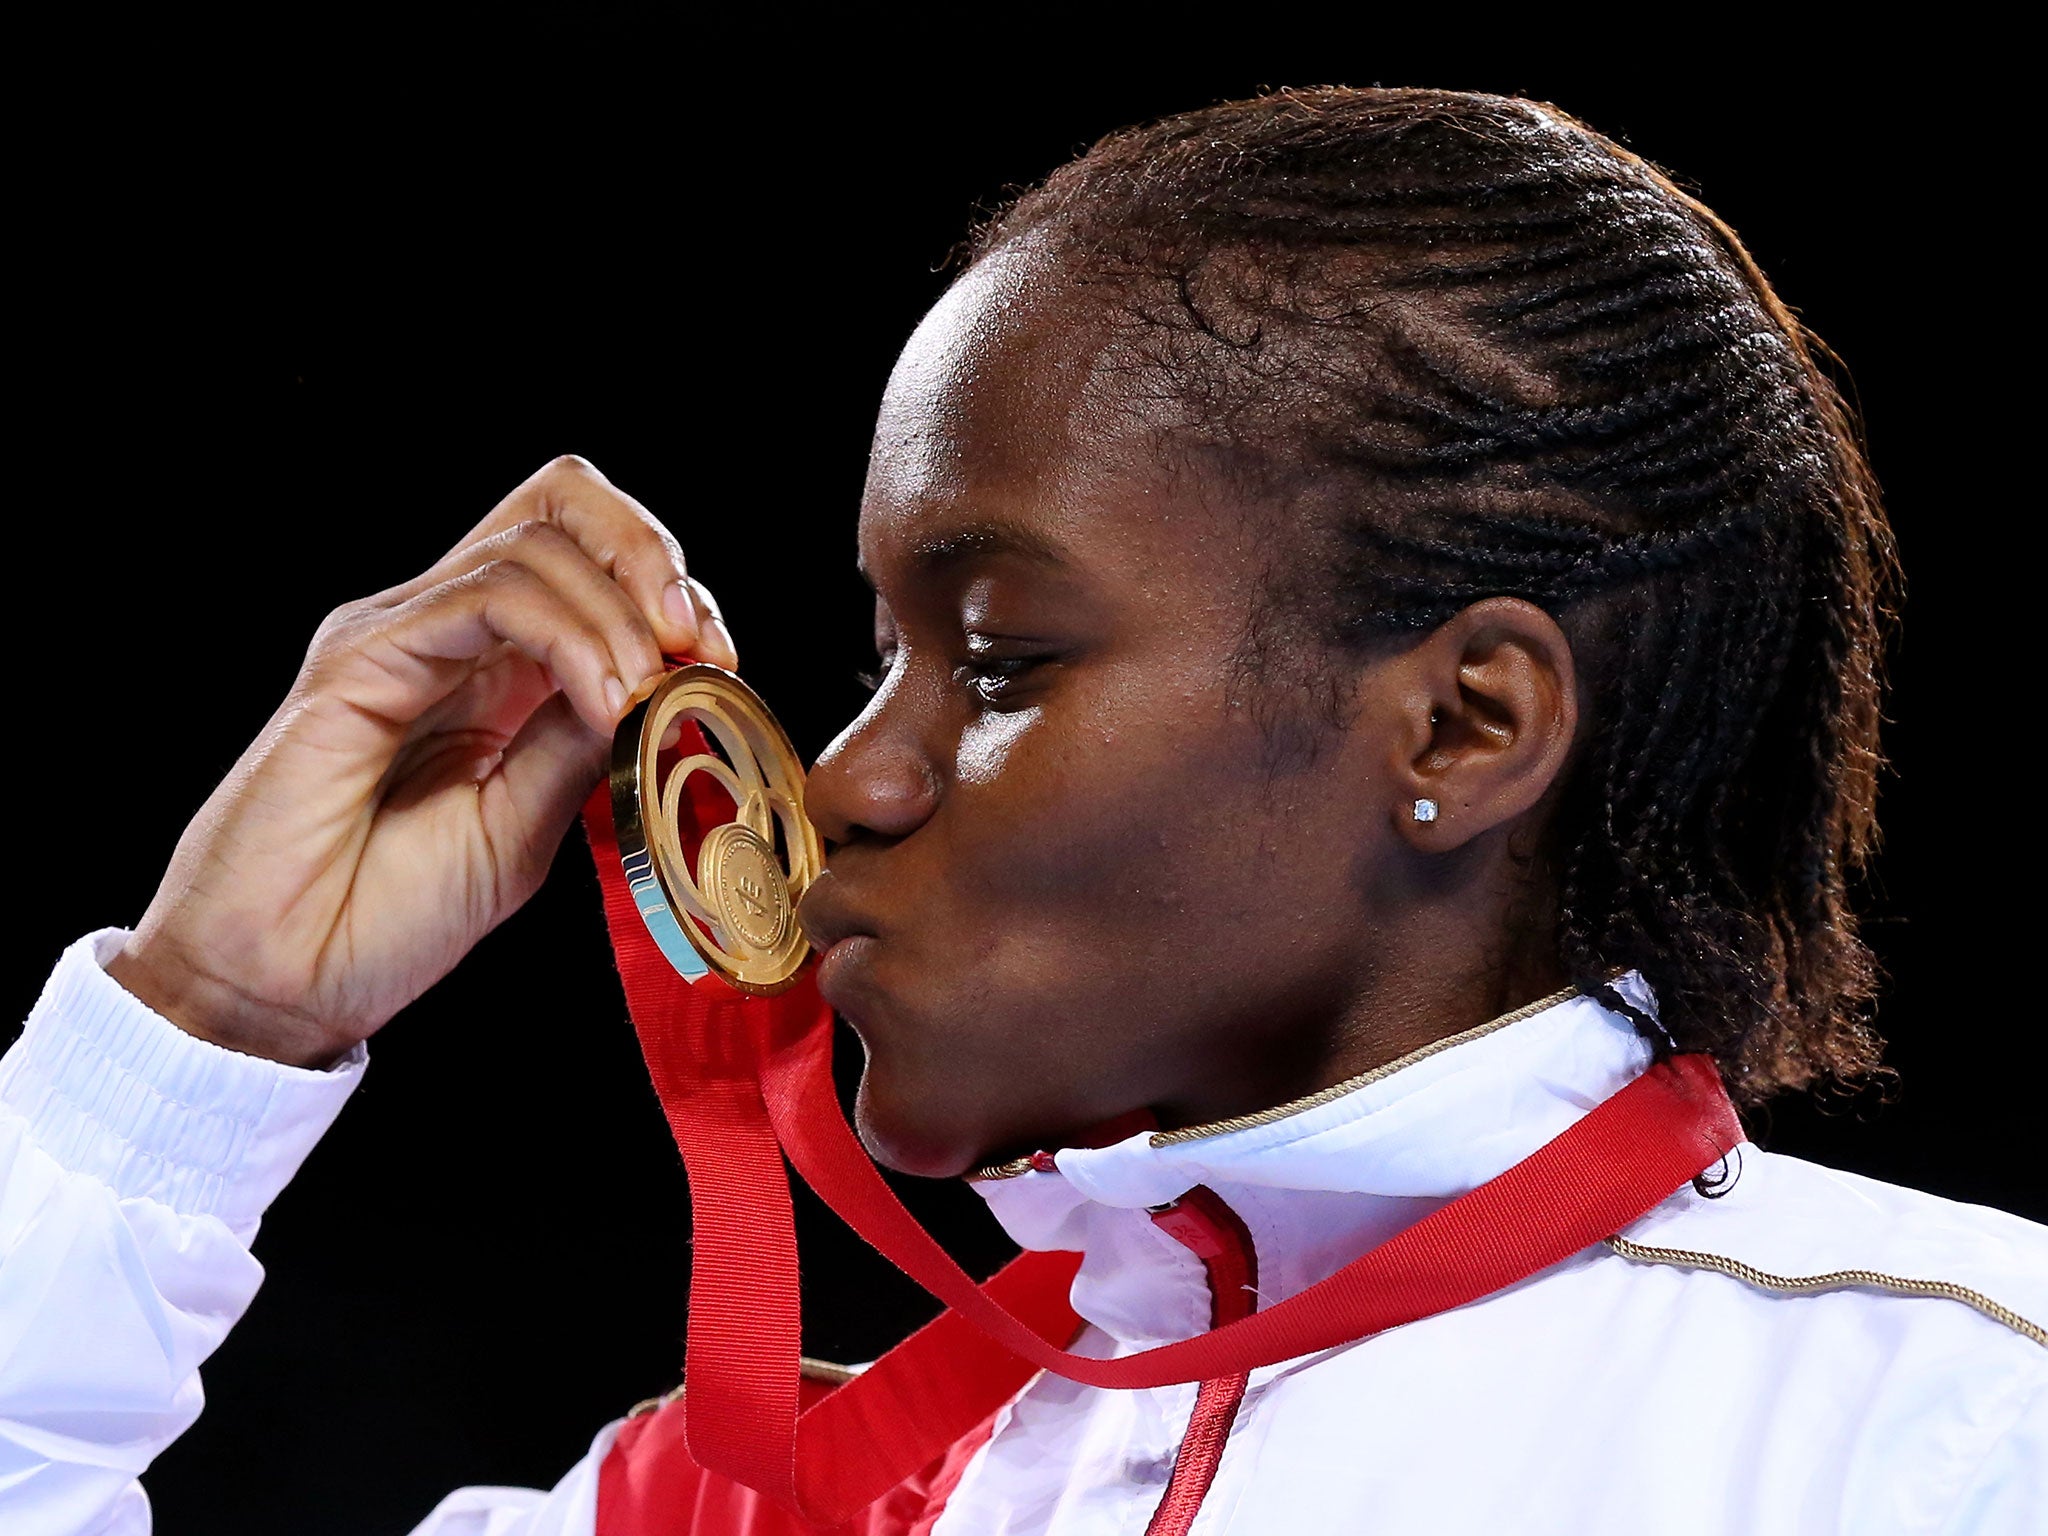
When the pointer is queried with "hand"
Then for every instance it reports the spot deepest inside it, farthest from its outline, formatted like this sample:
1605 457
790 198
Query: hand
411 791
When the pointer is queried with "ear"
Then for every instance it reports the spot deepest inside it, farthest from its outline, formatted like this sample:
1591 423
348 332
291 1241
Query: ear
1488 710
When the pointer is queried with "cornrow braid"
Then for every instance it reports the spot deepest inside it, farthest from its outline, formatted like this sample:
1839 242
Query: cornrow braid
1478 349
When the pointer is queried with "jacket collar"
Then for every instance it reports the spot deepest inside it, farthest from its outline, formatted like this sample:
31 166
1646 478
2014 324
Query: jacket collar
1320 1181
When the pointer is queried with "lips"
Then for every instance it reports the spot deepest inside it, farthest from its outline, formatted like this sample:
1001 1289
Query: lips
826 916
841 970
842 935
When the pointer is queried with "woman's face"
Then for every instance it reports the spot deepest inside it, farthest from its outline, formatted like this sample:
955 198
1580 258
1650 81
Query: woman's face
1071 874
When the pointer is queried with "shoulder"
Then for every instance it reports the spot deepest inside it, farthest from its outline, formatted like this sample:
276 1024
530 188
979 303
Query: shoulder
1883 1348
1888 1341
1791 1228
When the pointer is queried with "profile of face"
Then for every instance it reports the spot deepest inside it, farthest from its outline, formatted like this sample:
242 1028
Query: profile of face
1071 875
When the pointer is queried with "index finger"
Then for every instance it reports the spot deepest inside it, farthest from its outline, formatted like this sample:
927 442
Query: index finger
621 537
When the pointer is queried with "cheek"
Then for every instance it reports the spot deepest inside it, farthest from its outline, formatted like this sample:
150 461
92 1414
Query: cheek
1093 833
986 745
1110 897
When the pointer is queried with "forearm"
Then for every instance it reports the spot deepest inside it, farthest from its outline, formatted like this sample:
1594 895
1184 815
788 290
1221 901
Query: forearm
135 1164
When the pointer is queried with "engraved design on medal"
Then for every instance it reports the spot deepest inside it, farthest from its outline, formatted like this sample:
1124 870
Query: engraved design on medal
738 869
734 911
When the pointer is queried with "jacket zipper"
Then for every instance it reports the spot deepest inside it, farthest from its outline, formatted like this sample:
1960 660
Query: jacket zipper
1201 1223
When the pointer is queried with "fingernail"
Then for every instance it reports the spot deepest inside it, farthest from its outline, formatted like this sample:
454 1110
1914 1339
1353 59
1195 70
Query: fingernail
615 696
676 606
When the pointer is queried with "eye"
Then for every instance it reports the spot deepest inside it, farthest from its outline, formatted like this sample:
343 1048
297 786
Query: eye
993 677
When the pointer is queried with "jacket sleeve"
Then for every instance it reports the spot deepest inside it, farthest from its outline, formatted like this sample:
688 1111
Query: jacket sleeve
135 1164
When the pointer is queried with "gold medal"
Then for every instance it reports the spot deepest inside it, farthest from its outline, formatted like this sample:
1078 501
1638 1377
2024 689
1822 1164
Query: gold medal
735 912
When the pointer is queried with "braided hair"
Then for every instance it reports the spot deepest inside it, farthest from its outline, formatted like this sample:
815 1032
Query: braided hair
1474 348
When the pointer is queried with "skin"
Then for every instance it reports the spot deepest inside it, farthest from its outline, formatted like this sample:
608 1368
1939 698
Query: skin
1070 875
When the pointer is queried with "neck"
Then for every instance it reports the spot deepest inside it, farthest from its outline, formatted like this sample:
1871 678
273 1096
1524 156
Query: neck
1464 938
1408 997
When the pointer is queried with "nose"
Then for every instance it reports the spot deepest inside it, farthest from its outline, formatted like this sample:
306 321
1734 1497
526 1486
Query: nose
874 779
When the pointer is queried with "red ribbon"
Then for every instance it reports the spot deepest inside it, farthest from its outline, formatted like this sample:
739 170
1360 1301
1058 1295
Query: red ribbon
745 1081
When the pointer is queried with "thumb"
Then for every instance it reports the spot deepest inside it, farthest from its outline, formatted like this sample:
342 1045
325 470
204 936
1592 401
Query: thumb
547 772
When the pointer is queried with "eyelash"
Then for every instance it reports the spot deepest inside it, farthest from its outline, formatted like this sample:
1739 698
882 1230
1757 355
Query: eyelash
989 671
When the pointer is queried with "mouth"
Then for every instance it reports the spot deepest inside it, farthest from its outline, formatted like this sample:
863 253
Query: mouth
842 936
839 966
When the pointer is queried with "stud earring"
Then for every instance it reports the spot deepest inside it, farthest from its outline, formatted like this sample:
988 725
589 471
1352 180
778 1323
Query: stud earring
1424 810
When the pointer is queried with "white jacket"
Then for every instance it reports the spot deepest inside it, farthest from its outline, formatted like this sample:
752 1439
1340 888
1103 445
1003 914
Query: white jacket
1681 1381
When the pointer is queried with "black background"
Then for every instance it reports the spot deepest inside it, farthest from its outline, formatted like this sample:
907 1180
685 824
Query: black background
299 305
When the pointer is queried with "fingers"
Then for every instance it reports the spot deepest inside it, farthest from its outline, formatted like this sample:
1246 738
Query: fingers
397 663
621 538
567 570
563 565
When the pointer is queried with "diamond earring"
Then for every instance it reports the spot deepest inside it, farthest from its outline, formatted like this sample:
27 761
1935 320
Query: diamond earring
1424 810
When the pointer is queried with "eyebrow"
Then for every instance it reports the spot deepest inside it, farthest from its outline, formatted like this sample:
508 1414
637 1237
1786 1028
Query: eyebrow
985 537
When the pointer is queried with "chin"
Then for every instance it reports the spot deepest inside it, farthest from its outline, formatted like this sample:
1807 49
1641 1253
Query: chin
904 1141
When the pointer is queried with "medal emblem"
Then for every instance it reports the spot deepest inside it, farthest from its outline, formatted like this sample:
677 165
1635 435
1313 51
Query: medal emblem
717 887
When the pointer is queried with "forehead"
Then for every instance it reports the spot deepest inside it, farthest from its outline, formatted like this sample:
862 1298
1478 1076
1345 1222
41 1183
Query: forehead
1004 407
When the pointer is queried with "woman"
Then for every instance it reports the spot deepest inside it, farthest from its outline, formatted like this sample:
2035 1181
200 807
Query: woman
1380 612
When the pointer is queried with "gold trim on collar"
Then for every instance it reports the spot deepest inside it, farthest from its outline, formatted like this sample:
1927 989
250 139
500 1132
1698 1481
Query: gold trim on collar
1324 1096
1834 1280
1015 1167
810 1369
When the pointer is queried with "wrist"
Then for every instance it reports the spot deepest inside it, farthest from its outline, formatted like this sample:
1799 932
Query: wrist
211 1009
